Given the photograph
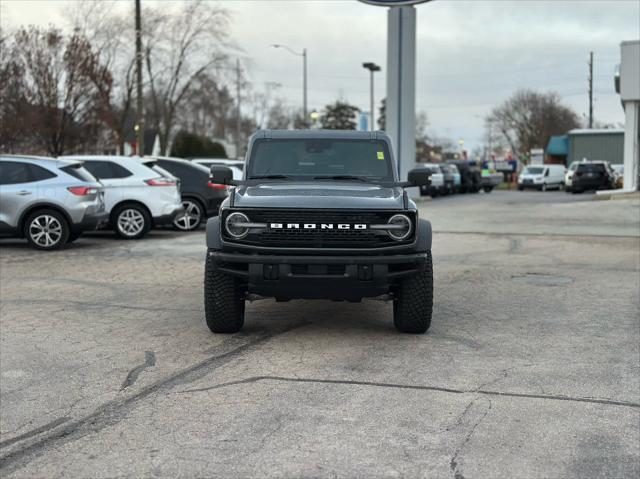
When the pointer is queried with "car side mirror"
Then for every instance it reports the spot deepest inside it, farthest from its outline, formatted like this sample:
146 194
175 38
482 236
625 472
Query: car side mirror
221 175
419 177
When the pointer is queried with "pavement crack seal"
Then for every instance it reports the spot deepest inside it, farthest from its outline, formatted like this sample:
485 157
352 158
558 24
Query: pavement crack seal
149 361
254 379
453 464
112 412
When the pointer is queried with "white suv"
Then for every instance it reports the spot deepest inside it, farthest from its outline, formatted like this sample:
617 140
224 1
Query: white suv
136 197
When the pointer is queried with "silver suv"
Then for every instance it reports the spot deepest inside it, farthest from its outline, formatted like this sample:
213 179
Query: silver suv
137 197
49 202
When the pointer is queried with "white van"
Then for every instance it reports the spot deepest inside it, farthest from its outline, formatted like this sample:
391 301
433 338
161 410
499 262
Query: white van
541 177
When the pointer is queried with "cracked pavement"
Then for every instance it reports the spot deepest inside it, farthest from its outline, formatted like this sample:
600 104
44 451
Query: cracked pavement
531 367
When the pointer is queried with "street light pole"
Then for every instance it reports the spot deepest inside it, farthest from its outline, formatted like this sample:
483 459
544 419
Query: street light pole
304 84
302 54
372 67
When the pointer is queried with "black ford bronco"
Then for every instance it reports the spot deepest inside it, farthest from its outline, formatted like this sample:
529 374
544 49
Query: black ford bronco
318 215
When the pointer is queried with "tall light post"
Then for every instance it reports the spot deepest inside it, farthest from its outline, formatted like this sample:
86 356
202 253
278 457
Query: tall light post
302 54
372 67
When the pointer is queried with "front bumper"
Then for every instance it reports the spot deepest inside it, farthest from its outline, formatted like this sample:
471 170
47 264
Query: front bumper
348 278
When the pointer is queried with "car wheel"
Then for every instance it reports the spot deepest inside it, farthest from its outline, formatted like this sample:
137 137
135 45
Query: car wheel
520 188
131 221
413 304
192 217
487 189
46 230
223 300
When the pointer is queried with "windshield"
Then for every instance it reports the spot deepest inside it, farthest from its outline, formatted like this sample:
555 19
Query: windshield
533 170
321 159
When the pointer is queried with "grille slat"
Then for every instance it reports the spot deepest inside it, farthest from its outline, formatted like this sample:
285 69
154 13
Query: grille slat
321 238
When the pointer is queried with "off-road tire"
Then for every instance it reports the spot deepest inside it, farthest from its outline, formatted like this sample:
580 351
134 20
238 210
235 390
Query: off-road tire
413 304
223 300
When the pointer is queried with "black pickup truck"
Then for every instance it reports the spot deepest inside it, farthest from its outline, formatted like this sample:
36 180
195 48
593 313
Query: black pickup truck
318 215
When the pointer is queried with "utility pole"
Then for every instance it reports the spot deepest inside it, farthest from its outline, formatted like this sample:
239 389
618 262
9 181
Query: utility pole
304 77
139 113
304 85
590 89
237 108
372 67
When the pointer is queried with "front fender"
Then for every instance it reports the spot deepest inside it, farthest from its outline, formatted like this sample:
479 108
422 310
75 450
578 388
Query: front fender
214 240
424 236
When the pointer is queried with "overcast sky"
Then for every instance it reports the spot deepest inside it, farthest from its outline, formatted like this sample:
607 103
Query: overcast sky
471 55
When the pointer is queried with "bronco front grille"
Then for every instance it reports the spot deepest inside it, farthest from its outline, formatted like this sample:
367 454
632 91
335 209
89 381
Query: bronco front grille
318 238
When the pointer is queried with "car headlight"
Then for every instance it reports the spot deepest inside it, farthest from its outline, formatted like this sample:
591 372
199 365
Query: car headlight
235 225
400 227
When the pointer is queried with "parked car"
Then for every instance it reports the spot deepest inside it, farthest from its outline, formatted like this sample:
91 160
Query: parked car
47 201
592 175
436 185
568 176
456 176
449 178
542 177
137 197
219 161
470 176
201 198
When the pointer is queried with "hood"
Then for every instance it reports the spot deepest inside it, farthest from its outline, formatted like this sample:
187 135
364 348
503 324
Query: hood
318 195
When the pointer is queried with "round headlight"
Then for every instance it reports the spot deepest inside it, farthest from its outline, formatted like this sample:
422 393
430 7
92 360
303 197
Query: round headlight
402 227
233 223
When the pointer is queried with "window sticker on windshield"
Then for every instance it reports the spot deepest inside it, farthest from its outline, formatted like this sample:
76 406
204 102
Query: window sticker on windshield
381 155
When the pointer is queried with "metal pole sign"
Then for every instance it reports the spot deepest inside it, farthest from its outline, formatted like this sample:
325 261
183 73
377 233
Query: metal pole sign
401 80
393 3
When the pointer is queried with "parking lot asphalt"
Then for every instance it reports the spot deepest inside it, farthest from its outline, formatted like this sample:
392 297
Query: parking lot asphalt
531 367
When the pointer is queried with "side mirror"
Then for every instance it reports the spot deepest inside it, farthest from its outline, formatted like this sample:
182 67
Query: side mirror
221 175
419 177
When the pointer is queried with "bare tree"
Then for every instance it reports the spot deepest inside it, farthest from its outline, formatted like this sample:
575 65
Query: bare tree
111 37
279 115
528 119
180 47
57 87
13 104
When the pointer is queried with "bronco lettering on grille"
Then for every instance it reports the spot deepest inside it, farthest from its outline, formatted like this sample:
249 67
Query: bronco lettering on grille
313 226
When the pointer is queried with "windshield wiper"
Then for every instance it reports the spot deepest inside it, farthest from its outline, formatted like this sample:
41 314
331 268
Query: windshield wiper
342 177
271 177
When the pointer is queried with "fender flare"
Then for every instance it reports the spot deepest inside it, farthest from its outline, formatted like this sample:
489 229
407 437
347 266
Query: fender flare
214 241
424 235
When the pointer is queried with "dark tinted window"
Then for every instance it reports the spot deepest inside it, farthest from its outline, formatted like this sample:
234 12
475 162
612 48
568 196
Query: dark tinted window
185 172
591 168
14 172
321 157
39 174
107 170
78 172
